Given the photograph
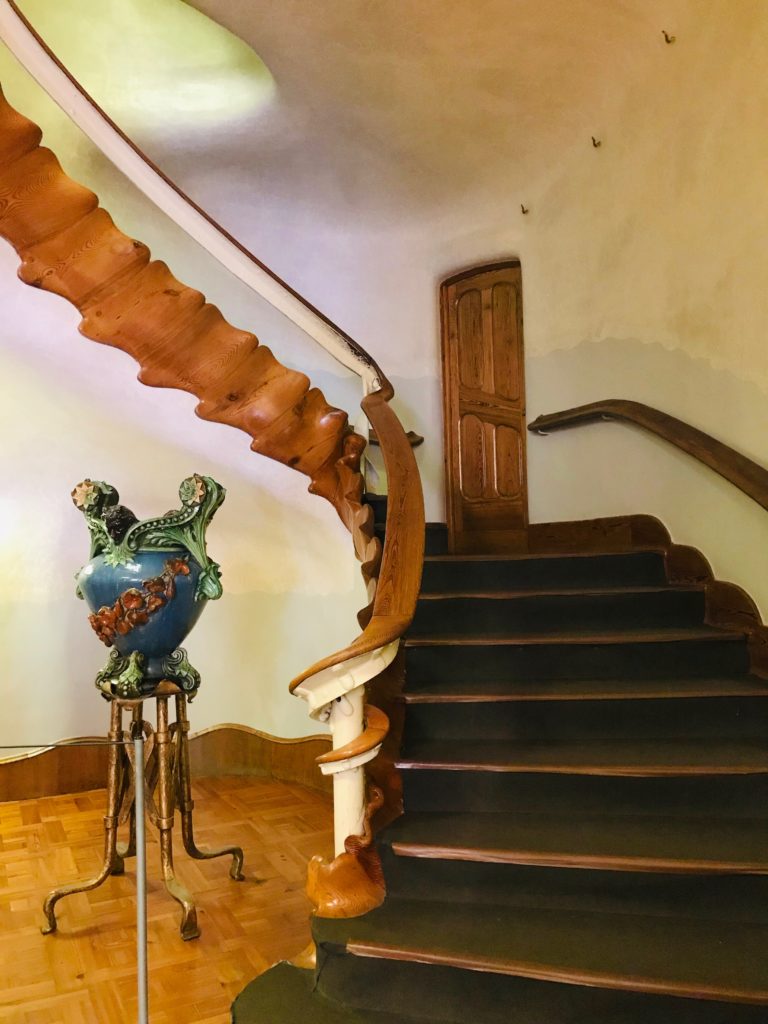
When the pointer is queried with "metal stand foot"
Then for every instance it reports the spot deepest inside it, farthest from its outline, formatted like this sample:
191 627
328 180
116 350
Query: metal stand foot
166 784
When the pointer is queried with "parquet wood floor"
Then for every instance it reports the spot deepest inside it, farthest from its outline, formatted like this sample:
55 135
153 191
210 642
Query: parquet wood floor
86 972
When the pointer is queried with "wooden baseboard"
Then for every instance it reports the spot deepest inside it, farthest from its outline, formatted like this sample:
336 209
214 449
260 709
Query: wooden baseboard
222 750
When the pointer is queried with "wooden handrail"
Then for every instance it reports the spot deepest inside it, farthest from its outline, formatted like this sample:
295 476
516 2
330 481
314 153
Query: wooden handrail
734 467
376 728
70 246
401 564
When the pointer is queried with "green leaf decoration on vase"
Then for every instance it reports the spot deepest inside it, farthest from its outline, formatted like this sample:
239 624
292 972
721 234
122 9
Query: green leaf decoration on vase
147 583
200 498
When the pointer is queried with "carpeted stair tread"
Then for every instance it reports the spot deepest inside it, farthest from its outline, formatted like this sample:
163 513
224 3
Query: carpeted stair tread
612 841
560 611
499 572
729 797
284 995
463 997
561 591
648 757
573 636
493 691
644 952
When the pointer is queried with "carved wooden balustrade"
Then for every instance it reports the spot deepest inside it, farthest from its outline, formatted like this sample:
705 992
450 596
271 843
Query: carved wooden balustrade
69 245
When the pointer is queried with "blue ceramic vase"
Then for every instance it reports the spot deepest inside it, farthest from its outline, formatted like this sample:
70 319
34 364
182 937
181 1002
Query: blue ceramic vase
147 583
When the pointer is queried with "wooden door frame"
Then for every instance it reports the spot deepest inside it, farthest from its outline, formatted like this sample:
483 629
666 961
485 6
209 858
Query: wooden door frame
450 412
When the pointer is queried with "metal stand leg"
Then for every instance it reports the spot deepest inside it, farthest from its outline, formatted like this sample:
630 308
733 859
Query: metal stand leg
186 803
128 849
112 862
166 792
165 784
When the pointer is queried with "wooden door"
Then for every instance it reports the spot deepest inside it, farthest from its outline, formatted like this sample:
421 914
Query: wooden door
484 409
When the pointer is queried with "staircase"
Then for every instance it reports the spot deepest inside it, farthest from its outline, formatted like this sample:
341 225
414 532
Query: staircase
585 836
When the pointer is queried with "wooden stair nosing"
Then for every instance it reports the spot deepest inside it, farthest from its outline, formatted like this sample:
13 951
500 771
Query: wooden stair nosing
634 689
647 758
703 634
548 972
545 591
614 771
593 862
526 556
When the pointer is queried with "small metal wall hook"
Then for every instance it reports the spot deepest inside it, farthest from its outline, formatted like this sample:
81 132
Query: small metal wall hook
667 37
524 209
597 143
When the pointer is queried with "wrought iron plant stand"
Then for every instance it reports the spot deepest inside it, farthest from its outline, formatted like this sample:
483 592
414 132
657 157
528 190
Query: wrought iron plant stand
170 577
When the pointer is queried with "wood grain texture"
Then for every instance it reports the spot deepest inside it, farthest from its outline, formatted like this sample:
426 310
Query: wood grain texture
352 884
70 246
87 971
484 408
399 576
222 750
739 470
376 727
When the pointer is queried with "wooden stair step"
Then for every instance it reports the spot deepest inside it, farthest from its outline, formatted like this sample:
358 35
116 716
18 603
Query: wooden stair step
498 691
703 634
660 952
571 611
544 556
559 591
605 841
637 758
450 995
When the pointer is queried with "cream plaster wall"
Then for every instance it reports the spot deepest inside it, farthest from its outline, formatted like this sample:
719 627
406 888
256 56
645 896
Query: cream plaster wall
69 409
644 259
397 145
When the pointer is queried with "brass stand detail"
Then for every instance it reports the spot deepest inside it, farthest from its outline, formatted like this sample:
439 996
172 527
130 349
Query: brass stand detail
167 786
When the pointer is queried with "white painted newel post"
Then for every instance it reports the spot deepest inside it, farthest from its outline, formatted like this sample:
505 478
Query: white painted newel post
346 724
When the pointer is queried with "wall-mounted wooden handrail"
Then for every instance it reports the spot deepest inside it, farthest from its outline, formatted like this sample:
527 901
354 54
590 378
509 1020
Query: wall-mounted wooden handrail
739 470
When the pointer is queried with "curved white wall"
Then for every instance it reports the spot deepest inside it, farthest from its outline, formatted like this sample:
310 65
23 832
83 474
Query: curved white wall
69 409
396 149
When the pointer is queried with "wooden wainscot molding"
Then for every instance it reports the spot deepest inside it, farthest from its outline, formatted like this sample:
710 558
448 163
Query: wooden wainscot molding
352 884
730 607
610 533
687 565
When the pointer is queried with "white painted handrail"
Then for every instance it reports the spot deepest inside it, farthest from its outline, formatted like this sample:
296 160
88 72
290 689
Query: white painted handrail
33 54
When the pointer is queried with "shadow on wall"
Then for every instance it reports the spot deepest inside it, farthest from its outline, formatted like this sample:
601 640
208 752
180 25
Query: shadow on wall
181 70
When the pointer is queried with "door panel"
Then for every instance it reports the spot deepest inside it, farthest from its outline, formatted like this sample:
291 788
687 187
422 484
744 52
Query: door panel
484 405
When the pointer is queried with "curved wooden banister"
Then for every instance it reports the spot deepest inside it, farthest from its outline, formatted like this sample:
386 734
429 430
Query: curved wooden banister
31 50
739 470
70 246
400 570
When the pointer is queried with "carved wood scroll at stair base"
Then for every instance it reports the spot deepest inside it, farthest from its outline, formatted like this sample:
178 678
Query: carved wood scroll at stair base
352 884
